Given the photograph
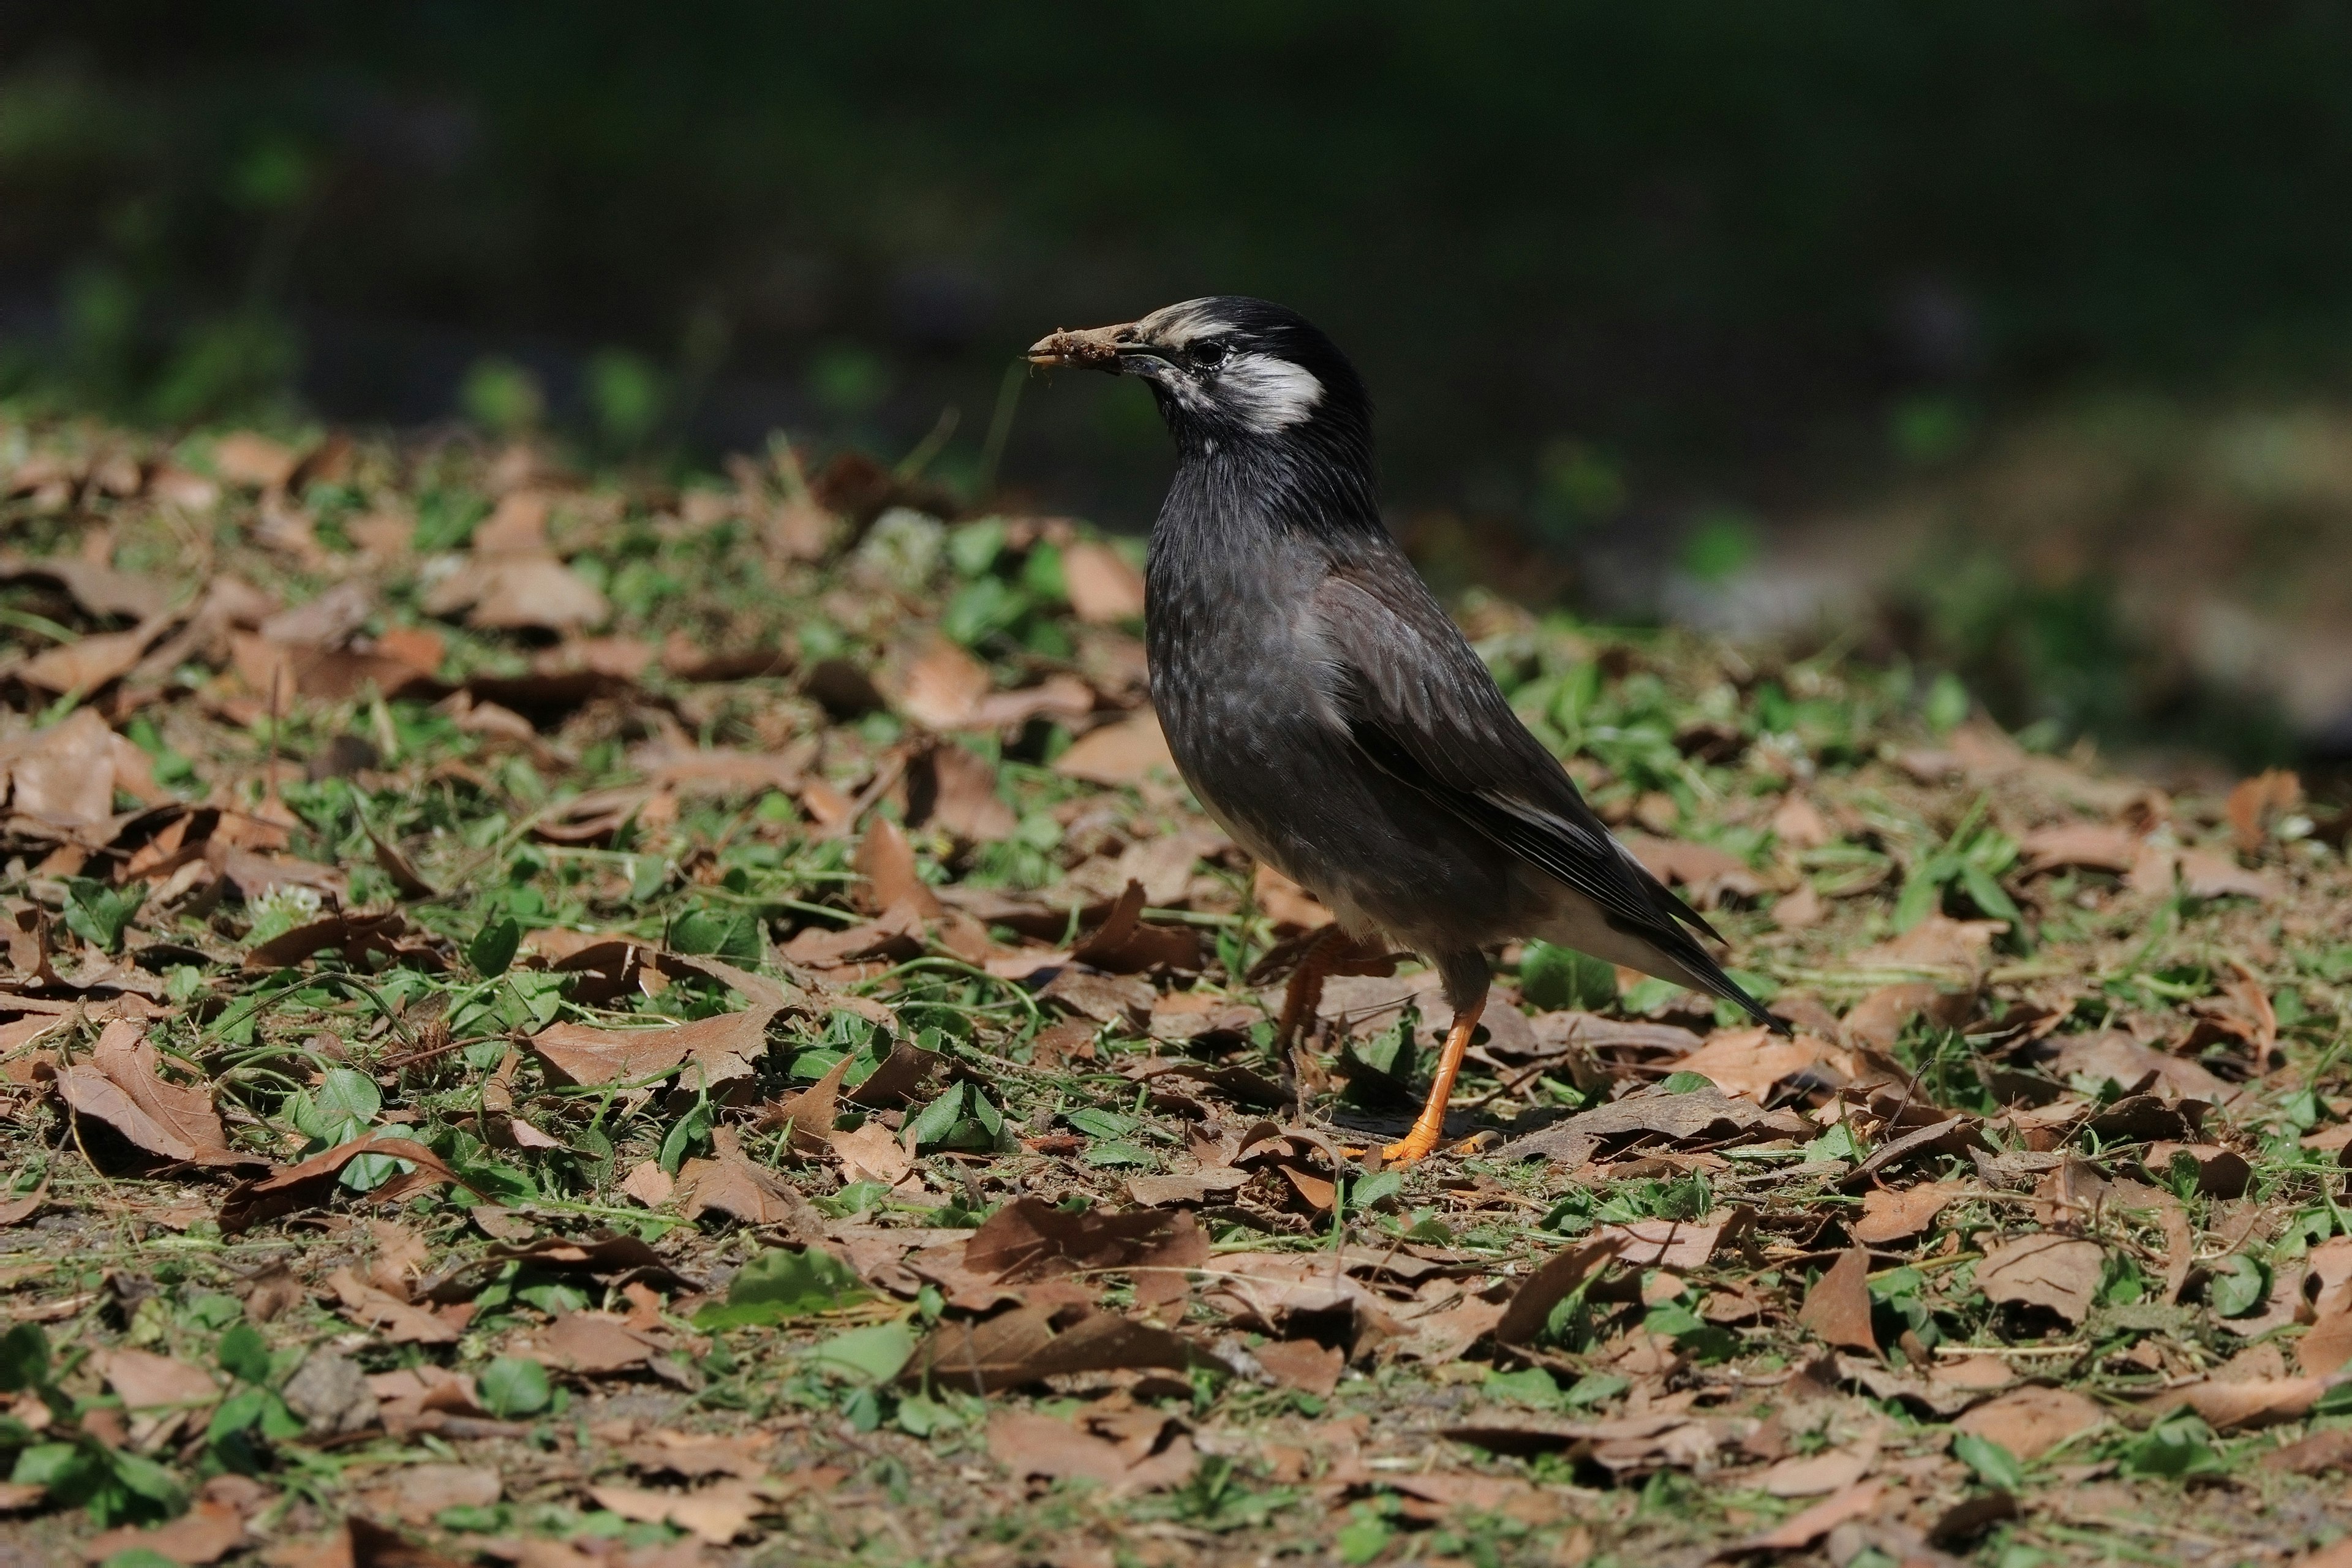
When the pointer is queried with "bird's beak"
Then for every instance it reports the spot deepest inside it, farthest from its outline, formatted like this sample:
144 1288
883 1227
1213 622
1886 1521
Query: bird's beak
1092 348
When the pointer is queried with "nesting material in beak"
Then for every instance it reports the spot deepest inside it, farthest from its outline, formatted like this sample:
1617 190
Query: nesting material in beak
1094 348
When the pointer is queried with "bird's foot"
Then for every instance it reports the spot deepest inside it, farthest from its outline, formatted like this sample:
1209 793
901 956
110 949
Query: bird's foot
1412 1149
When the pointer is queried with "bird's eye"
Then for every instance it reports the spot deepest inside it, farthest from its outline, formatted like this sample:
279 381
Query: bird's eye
1209 356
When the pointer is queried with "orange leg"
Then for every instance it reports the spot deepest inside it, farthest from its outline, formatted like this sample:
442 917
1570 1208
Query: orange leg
1430 1125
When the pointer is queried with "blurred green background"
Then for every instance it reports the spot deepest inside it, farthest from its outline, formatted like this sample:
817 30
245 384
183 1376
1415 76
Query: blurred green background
1919 324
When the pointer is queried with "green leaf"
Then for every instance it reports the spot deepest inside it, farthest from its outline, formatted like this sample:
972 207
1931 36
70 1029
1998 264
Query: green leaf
493 948
1685 1082
782 1284
244 1353
513 1386
23 1358
1594 1388
939 1119
348 1096
98 913
140 1557
1118 1153
1994 1465
57 1466
237 1413
1921 894
1364 1537
1096 1123
2238 1286
1531 1385
1988 894
1554 977
867 1355
2174 1449
687 1134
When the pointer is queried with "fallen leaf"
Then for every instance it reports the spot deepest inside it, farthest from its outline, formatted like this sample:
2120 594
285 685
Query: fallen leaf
1021 1346
2231 1405
716 1514
2255 803
309 1183
1029 1238
1700 1115
869 1152
1890 1214
1122 944
1188 1187
732 1185
1032 1445
713 1051
1302 1364
697 1455
2092 846
648 1183
205 1533
1124 752
395 1319
331 1393
892 881
1557 1277
1812 1475
123 1086
419 1492
964 797
1102 586
1678 1244
1752 1061
157 1391
2033 1421
595 1344
64 773
2061 1273
1837 1308
810 1113
1857 1501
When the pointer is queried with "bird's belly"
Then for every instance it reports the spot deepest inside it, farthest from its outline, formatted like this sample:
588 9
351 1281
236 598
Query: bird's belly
1261 744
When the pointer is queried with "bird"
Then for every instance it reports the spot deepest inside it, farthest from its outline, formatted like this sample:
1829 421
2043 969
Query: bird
1325 710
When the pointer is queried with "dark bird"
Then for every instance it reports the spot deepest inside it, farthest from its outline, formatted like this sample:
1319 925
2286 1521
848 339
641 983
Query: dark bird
1325 709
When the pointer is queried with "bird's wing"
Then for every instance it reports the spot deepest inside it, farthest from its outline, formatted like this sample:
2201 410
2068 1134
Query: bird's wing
1420 705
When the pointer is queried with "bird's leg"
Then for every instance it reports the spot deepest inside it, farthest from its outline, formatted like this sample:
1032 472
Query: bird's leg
1430 1125
1305 992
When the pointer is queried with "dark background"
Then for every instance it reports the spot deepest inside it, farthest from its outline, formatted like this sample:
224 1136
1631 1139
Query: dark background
1625 278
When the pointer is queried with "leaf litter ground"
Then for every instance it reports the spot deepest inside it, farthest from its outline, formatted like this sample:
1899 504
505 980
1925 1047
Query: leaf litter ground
560 1022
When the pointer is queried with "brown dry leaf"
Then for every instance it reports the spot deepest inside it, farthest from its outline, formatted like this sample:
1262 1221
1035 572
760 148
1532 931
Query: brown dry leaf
1837 1308
733 1185
2258 801
886 861
1559 1276
1816 1475
596 1343
1857 1501
207 1532
1122 944
870 1153
64 773
401 1256
242 458
1021 1346
1164 1276
537 592
87 663
1938 943
811 1112
696 1454
419 1492
1799 824
963 795
1751 1061
1891 1214
713 1051
2314 1455
716 1514
395 1319
1302 1364
1188 1187
942 687
648 1183
2033 1421
1032 1445
1709 873
2328 1347
2230 1405
1029 1238
123 1086
1124 752
2061 1273
309 1183
1801 911
157 1391
1103 587
16 1211
1879 1018
2092 846
1677 1244
1700 1115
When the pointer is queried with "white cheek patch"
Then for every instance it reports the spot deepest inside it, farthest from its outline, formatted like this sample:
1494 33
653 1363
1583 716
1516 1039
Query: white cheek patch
1178 325
1268 394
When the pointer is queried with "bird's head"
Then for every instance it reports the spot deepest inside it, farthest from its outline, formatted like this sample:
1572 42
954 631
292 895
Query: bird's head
1228 370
